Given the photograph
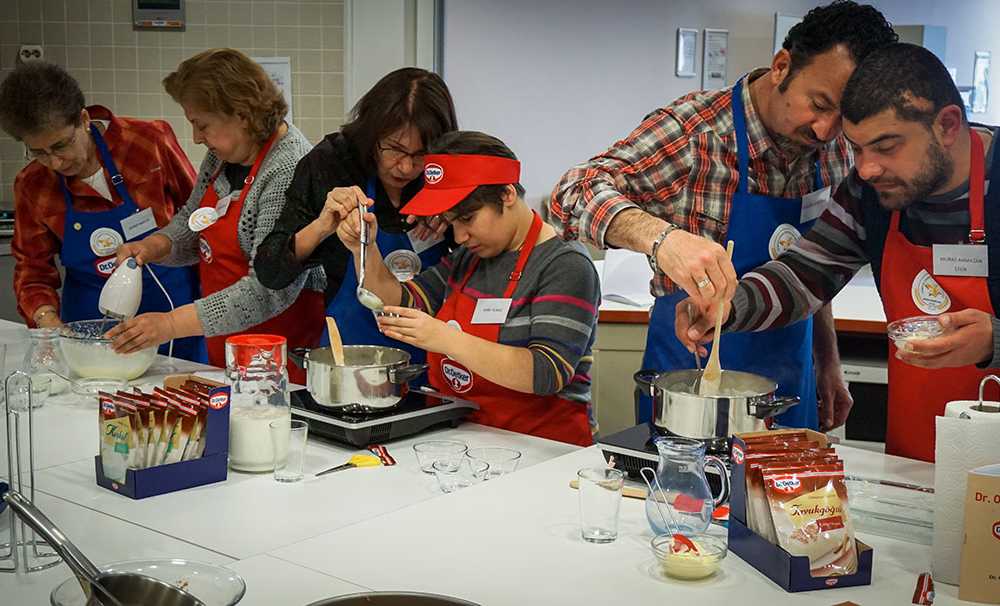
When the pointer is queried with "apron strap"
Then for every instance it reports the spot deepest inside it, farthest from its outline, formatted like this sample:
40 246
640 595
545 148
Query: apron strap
740 124
522 259
116 176
977 235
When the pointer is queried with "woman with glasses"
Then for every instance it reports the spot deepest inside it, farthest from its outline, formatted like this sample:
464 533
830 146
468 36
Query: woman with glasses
237 112
95 181
377 159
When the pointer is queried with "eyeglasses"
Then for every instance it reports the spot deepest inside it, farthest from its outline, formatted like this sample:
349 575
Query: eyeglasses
59 149
396 155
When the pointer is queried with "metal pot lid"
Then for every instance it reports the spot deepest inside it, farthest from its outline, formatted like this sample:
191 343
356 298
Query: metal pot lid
734 384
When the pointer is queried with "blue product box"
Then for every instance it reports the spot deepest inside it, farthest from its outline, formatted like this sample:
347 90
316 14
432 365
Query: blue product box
791 573
213 466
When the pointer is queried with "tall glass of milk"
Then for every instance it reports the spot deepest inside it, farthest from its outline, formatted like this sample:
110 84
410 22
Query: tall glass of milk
258 377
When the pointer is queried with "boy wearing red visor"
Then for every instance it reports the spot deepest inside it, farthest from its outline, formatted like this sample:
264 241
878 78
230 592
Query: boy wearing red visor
509 318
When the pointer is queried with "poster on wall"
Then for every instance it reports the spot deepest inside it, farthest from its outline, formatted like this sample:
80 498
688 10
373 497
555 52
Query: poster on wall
715 59
981 83
687 49
279 69
782 23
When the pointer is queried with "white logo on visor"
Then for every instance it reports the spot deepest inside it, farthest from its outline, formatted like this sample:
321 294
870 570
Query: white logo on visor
433 173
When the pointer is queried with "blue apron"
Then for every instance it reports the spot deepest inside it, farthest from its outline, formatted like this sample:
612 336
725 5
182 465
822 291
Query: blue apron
87 272
355 321
783 354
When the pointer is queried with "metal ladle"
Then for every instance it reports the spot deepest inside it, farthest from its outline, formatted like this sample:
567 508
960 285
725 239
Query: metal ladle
365 296
116 588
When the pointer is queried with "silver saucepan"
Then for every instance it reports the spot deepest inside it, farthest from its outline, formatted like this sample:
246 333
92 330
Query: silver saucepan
743 403
372 377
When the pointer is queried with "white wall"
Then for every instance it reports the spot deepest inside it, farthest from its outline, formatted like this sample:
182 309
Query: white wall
559 80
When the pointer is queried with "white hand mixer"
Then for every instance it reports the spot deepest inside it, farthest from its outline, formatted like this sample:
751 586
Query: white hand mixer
122 294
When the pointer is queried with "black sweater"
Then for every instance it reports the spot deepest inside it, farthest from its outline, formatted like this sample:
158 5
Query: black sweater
332 163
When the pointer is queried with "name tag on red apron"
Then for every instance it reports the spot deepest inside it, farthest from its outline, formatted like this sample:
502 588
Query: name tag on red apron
814 203
491 311
967 260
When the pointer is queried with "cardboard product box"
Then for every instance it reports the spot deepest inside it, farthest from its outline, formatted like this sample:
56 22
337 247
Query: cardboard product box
791 573
213 466
979 576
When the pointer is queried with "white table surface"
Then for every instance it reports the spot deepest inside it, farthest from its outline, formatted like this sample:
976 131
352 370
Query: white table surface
516 541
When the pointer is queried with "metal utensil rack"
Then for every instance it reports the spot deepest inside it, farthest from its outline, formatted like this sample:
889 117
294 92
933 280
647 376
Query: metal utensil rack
23 551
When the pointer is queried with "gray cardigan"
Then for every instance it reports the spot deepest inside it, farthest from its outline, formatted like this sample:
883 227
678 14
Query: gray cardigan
246 302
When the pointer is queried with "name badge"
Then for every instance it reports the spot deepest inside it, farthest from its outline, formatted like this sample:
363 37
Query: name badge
138 223
814 203
223 204
967 260
491 311
419 245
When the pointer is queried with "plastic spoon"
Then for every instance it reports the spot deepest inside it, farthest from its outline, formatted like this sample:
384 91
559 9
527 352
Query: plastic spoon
365 296
711 377
336 343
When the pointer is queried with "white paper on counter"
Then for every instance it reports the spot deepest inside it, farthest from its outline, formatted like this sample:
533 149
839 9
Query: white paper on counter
961 445
625 277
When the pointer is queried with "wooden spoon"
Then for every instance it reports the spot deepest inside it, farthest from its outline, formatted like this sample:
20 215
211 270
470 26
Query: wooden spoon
711 377
336 343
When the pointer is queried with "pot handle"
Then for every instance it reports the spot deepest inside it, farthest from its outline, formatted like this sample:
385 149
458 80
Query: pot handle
405 374
716 462
772 408
300 355
646 378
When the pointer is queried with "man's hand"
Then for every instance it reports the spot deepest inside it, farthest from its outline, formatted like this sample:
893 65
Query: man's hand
694 327
967 339
416 328
835 400
698 265
141 332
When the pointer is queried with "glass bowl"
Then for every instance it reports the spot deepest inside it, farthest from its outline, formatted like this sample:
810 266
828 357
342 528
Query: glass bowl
429 451
501 460
677 560
914 329
214 585
89 355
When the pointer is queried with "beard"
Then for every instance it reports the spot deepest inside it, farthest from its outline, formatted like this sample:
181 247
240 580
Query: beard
804 142
934 172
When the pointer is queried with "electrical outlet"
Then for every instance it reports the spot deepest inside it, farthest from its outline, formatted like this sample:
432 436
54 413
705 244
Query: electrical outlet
30 52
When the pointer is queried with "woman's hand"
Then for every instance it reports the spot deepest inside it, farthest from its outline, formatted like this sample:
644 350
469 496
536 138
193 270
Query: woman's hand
429 228
143 331
416 328
46 316
148 250
349 230
340 202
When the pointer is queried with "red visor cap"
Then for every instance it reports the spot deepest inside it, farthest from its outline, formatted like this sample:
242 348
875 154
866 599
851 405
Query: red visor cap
449 178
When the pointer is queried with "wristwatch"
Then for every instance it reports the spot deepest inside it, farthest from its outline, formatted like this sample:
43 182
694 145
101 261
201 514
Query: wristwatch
656 246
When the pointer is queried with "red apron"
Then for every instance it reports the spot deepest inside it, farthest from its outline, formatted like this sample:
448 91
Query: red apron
549 417
918 395
223 264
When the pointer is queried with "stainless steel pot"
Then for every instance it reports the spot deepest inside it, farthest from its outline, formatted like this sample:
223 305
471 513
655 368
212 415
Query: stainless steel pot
372 377
746 400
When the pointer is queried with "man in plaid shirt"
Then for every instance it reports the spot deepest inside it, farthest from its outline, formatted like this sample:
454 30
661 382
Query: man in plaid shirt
754 164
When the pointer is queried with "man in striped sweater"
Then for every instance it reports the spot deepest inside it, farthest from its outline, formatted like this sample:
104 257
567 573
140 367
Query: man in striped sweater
918 207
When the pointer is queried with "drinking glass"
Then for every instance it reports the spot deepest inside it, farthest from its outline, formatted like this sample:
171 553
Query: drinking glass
288 440
452 477
600 499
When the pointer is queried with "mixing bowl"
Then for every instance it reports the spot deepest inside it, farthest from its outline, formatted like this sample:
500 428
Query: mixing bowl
681 562
89 355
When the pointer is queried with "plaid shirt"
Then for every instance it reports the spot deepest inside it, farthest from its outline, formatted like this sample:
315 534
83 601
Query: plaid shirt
156 172
681 165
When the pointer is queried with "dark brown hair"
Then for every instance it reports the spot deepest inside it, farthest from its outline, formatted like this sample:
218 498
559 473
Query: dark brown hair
407 96
37 96
470 142
225 81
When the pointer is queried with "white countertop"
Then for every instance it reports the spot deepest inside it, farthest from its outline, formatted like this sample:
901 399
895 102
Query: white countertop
509 541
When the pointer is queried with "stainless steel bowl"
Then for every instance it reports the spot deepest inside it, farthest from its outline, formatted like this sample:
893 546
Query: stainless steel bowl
743 403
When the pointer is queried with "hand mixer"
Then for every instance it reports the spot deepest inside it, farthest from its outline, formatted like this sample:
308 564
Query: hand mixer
122 294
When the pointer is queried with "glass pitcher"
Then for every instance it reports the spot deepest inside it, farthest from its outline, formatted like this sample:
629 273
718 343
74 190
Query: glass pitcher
44 362
686 499
258 381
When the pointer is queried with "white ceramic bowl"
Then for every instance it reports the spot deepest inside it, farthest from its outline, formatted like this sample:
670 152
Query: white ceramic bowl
89 355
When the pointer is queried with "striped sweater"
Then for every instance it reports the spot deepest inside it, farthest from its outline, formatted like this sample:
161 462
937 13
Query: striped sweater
553 313
822 262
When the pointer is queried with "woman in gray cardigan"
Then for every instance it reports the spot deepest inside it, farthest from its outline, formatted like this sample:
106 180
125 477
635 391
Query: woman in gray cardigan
238 114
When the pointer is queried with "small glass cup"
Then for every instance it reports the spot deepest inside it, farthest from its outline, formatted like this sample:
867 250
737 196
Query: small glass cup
600 499
501 460
465 473
448 451
288 441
